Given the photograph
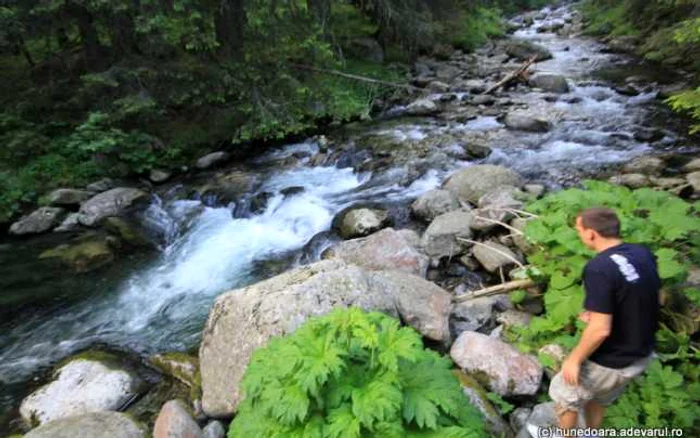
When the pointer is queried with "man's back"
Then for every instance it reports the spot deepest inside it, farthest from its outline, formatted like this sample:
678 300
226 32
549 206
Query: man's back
623 281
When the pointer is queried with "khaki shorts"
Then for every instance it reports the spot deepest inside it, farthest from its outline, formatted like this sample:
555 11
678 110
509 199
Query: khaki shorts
596 382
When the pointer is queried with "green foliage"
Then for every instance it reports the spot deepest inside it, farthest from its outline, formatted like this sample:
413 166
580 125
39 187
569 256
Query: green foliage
503 406
664 223
352 374
689 102
662 398
476 27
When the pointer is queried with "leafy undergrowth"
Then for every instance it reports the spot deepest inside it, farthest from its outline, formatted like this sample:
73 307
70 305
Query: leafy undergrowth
669 226
352 374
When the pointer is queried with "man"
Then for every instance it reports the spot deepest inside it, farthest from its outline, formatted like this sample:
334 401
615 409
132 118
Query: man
621 309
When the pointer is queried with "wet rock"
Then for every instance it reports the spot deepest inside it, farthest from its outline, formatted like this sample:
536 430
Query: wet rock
214 429
70 223
180 366
81 386
92 425
433 203
482 99
551 26
441 238
649 135
499 366
447 73
39 221
67 197
127 232
493 256
631 180
358 222
627 90
82 257
244 319
473 182
477 149
694 180
478 398
384 250
101 186
692 166
524 50
514 318
211 160
438 87
175 421
622 44
159 176
422 107
471 315
291 191
646 165
523 121
550 83
114 202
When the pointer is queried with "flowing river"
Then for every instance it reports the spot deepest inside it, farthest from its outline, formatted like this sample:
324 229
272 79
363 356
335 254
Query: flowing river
159 302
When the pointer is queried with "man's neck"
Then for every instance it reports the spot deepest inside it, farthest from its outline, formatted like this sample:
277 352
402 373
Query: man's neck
607 244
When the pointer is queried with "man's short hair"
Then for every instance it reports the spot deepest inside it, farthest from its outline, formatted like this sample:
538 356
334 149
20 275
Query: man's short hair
601 219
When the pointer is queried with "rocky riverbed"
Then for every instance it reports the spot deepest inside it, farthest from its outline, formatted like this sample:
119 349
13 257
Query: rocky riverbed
399 214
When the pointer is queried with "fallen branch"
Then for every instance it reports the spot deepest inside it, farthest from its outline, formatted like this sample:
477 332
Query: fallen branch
495 290
354 77
517 74
511 210
506 255
503 224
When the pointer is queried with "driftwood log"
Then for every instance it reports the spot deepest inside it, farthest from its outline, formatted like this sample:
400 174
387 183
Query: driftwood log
521 73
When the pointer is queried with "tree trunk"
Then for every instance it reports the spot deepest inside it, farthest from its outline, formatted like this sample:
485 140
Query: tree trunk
88 35
230 24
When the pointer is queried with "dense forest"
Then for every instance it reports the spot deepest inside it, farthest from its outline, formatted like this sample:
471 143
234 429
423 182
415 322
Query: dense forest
93 88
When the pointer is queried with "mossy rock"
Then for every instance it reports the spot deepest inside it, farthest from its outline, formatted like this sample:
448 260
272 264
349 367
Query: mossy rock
182 367
82 257
479 398
126 232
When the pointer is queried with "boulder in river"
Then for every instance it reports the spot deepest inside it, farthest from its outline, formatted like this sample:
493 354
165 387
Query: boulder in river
39 221
499 366
68 197
92 425
422 107
357 222
175 421
550 83
646 165
631 180
387 249
81 386
158 176
114 202
442 237
212 159
524 50
244 319
70 223
473 182
180 366
522 121
83 256
433 203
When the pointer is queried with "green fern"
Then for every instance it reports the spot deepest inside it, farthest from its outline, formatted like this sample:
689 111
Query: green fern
352 374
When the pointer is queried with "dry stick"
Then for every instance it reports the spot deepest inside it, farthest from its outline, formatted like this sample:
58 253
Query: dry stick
508 256
511 210
512 76
354 77
504 225
495 290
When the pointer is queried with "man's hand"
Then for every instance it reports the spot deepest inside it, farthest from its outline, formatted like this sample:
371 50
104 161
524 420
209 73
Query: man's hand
570 370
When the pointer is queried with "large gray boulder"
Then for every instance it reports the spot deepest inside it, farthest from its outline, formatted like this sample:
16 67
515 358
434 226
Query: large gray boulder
493 256
113 202
68 197
245 319
631 180
504 369
39 221
384 250
524 50
646 165
81 386
92 425
175 421
433 203
442 237
694 180
473 182
550 82
523 121
358 222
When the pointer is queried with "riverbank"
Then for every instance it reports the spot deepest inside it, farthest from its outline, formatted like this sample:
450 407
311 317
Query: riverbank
232 226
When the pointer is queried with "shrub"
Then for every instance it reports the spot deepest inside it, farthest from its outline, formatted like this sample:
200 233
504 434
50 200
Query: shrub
352 374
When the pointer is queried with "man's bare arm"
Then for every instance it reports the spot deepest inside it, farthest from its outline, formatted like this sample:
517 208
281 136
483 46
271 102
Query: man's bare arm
599 326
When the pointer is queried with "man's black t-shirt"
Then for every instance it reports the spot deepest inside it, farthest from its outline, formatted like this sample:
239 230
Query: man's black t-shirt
623 281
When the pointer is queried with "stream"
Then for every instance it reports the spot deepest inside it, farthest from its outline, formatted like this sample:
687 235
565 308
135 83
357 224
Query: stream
155 302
